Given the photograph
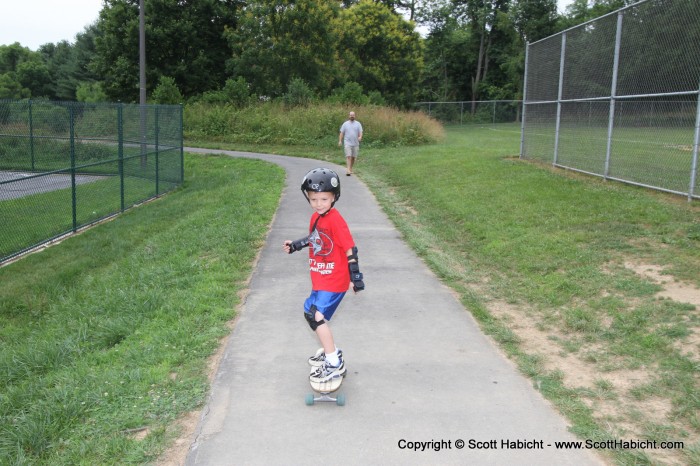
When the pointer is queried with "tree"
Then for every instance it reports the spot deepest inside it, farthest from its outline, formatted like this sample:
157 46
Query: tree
90 92
351 93
10 88
410 8
12 55
380 50
298 94
167 92
480 16
34 75
507 55
60 62
581 11
237 91
184 40
535 19
280 40
24 72
447 60
475 48
69 64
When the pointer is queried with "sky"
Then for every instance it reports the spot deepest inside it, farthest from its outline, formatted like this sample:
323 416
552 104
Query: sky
33 23
561 5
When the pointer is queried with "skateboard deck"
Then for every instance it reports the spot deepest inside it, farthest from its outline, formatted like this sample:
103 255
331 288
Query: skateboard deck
324 389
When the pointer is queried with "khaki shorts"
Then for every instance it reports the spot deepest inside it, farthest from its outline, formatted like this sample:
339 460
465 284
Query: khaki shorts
352 151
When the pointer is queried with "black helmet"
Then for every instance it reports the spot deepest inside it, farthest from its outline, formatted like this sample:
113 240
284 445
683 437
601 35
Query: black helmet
321 180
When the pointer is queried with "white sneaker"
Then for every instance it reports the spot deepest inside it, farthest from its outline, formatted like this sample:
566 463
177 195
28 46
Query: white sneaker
320 357
325 372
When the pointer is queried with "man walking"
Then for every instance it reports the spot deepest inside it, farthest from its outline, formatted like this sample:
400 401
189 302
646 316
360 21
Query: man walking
351 135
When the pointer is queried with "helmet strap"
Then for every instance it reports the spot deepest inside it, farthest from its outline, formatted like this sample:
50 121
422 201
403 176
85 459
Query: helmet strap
319 218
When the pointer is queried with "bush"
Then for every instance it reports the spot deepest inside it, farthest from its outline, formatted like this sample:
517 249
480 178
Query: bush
167 92
298 94
90 93
376 98
217 97
351 93
237 91
313 124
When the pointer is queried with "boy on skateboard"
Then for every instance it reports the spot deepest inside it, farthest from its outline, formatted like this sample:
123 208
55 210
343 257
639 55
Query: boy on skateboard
333 266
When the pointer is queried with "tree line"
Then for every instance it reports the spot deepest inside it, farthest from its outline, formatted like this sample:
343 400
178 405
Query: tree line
237 51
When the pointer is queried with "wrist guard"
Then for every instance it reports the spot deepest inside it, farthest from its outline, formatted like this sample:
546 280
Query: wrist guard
355 274
299 244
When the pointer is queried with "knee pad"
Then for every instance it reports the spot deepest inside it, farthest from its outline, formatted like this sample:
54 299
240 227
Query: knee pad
310 316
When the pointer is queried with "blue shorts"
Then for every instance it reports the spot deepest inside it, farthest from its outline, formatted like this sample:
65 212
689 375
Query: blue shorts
325 301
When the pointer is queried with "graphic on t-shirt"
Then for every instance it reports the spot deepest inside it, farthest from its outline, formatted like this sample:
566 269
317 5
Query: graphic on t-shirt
321 242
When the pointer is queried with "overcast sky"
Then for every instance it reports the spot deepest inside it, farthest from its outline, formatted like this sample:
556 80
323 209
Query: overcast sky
33 23
37 22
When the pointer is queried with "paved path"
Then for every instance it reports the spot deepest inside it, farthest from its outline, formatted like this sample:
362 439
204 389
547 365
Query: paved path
15 185
419 368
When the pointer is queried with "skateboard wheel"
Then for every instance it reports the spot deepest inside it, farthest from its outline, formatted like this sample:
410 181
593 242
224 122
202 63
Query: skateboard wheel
340 400
309 399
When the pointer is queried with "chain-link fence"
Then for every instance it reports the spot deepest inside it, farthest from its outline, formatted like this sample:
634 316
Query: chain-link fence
480 112
65 165
617 97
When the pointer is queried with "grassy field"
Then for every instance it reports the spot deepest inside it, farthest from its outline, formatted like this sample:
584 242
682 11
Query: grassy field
52 211
653 156
590 286
558 269
105 337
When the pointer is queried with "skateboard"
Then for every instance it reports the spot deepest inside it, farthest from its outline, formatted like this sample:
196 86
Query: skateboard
324 390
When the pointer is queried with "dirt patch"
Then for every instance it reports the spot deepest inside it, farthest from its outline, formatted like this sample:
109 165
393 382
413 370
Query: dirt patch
576 373
177 453
677 291
609 393
672 289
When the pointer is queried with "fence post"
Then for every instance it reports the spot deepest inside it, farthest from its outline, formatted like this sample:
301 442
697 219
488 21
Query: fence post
182 146
613 96
522 122
560 94
157 129
696 143
74 203
120 152
31 135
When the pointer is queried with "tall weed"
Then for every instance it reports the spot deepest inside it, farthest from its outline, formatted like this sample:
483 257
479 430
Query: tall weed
312 124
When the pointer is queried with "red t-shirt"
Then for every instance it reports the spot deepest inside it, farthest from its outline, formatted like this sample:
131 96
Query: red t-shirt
328 243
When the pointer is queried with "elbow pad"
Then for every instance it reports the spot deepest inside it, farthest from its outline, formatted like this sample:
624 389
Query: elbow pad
299 244
356 276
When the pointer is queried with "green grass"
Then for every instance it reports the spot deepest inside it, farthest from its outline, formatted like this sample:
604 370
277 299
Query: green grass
52 212
107 334
496 229
652 156
552 245
48 154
